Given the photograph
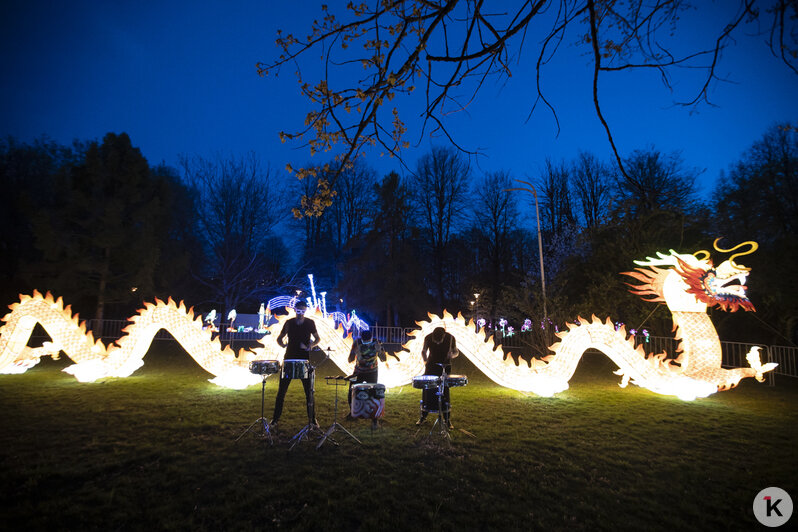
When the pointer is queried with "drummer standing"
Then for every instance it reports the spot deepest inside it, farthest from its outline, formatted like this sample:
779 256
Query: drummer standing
302 337
439 349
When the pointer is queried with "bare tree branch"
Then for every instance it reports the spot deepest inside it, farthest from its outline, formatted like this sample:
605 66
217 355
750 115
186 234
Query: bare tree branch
451 45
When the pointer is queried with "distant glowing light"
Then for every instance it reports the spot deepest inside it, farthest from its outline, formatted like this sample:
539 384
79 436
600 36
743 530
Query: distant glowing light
313 302
392 373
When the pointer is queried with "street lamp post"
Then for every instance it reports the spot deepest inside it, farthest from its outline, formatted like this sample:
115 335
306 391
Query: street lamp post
476 317
540 245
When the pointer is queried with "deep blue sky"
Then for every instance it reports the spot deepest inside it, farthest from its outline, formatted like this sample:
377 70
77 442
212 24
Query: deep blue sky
179 78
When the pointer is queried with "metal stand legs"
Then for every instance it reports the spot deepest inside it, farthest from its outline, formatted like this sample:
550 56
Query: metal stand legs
443 419
311 428
335 426
265 431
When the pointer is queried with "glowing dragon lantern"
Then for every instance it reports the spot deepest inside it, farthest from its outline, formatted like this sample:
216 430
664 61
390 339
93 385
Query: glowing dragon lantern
686 283
93 360
688 286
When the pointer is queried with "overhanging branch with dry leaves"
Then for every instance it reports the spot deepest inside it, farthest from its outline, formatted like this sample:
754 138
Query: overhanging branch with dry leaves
382 52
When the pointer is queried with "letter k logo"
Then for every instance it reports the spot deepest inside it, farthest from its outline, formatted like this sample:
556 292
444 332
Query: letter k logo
772 506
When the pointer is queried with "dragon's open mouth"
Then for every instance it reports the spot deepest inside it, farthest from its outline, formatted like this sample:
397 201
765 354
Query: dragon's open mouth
734 285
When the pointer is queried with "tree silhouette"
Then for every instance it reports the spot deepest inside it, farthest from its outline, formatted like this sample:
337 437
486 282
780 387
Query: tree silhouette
495 216
383 272
592 184
656 181
758 200
375 54
102 240
238 204
27 174
439 189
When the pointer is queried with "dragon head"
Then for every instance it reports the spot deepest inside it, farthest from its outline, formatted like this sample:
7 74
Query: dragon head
693 282
723 286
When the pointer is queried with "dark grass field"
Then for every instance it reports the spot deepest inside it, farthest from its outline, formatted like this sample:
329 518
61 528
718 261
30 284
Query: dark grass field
157 451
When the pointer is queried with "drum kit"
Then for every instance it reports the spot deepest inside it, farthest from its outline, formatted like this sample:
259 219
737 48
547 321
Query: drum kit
440 404
368 399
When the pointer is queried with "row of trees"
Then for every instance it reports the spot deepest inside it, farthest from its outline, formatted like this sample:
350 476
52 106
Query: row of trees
95 223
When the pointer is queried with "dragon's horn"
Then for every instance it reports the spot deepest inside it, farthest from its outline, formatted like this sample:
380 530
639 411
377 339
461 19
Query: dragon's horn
754 247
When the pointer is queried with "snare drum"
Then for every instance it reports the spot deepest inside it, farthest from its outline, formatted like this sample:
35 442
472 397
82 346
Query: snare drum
425 382
264 367
368 400
453 381
296 368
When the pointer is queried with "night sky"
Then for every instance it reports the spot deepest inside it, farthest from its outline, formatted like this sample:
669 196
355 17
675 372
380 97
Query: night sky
180 78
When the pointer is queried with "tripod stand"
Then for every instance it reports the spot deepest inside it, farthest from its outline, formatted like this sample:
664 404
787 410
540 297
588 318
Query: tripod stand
445 408
311 427
440 420
265 431
336 381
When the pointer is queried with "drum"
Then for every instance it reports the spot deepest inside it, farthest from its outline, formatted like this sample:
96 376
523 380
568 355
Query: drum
264 367
453 381
425 382
368 400
296 368
430 403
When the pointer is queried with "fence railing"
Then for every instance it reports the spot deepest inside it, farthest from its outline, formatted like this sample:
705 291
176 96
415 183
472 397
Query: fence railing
111 330
392 335
733 352
786 358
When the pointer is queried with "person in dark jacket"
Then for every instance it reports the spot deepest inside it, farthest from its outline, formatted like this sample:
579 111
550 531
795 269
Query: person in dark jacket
439 348
302 337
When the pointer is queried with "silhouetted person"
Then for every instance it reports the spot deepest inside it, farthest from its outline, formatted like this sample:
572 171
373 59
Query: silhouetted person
439 349
302 337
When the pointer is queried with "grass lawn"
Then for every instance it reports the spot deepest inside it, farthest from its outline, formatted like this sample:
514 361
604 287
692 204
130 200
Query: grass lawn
156 451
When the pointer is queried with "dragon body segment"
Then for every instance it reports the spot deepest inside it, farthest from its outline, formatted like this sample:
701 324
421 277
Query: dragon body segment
687 284
93 360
